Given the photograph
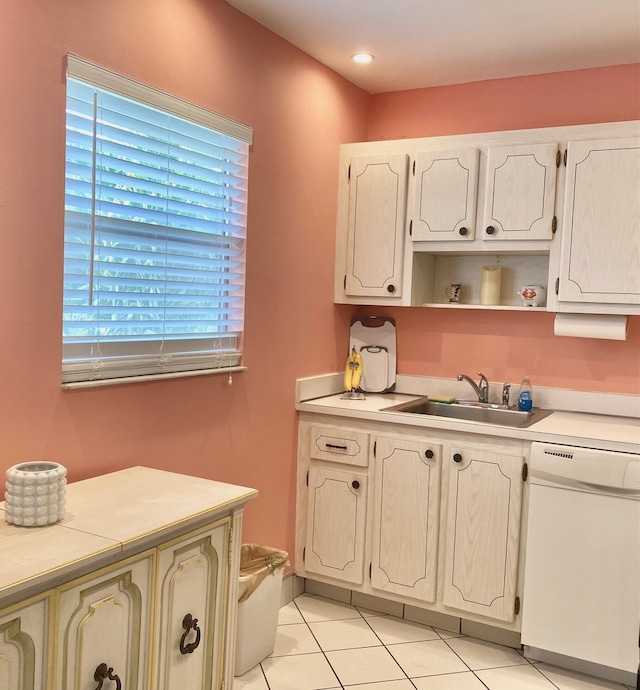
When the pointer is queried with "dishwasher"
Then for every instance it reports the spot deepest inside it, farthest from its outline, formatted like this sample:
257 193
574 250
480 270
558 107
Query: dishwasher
581 597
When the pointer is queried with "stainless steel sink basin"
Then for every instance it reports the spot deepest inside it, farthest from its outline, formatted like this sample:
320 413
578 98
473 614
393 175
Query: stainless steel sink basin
485 413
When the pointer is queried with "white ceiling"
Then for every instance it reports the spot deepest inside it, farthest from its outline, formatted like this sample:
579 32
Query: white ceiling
420 43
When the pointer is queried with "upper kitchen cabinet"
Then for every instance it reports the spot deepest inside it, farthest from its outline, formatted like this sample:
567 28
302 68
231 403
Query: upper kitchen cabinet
520 192
375 221
600 253
445 195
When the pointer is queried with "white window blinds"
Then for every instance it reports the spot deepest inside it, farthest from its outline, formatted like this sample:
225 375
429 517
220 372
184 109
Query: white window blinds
155 227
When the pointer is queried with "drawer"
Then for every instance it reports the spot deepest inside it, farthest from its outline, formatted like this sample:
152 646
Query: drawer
345 446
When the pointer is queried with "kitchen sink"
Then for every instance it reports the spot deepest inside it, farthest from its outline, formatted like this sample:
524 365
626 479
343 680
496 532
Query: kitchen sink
485 413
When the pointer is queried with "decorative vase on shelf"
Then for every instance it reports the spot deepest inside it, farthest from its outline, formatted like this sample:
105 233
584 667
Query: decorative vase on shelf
35 493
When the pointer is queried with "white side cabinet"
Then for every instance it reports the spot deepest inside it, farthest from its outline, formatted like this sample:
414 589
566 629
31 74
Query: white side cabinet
600 258
140 597
190 596
24 645
104 627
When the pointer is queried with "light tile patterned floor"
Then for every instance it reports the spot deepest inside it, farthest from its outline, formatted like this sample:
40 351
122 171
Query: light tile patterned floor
325 645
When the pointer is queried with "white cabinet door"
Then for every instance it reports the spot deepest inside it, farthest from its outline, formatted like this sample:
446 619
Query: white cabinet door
446 187
24 640
406 517
189 632
600 258
336 514
520 192
483 532
104 627
377 209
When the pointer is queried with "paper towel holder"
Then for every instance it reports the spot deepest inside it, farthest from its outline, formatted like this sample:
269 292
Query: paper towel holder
602 326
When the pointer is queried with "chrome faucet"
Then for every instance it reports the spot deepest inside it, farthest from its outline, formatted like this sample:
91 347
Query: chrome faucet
482 390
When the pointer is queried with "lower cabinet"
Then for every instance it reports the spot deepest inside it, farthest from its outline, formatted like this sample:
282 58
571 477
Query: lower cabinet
483 532
336 521
24 644
439 528
406 511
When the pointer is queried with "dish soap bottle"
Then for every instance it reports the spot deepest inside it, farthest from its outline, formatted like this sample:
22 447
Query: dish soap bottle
525 395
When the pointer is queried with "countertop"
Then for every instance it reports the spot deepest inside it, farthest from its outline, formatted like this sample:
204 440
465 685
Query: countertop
107 517
569 428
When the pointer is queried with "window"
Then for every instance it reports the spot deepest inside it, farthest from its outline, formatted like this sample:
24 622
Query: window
155 227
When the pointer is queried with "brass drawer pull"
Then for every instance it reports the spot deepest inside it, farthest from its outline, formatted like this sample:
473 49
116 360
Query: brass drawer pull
104 672
189 623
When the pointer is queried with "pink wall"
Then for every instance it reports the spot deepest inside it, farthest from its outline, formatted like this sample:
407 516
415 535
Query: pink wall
507 345
207 52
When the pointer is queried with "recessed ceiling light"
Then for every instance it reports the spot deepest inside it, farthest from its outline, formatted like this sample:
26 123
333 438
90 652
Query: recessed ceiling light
362 58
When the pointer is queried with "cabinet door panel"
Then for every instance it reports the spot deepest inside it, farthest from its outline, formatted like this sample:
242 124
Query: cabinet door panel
406 517
446 184
105 619
336 524
24 638
191 581
520 192
483 532
377 205
601 226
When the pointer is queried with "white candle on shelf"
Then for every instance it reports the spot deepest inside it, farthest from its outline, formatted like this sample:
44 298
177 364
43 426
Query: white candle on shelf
490 285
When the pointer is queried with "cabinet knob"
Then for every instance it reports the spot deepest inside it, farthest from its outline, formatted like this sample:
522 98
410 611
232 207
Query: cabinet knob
104 672
391 288
355 484
463 231
490 230
428 453
189 623
457 457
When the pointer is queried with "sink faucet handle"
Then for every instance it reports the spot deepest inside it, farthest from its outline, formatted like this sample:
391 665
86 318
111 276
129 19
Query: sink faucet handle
506 389
484 388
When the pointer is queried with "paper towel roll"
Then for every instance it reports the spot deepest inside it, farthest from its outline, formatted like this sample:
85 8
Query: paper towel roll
606 326
490 285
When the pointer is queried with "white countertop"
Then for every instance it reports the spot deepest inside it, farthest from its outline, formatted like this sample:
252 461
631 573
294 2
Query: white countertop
106 517
569 428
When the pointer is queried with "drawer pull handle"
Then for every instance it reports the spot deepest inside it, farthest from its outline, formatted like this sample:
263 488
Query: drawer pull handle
335 447
355 484
428 453
189 623
457 457
104 672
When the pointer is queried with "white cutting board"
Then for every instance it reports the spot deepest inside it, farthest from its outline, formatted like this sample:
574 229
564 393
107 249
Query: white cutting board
374 337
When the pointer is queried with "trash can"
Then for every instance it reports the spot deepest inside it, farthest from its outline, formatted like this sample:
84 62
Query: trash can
261 569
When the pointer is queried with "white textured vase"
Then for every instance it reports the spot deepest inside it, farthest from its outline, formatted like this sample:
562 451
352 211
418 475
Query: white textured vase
35 493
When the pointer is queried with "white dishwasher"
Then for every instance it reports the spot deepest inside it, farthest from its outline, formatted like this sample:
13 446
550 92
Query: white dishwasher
581 600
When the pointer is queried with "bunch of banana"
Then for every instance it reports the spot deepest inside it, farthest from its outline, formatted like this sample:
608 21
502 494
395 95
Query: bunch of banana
353 371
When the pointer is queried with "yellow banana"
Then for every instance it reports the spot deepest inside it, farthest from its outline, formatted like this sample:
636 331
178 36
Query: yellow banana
356 357
348 374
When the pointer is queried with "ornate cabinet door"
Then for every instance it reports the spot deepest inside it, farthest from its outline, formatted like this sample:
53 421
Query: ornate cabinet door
24 640
336 514
444 201
191 588
104 627
519 201
600 258
483 532
375 238
406 517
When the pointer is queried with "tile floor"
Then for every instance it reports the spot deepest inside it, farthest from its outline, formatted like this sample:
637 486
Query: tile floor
323 644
